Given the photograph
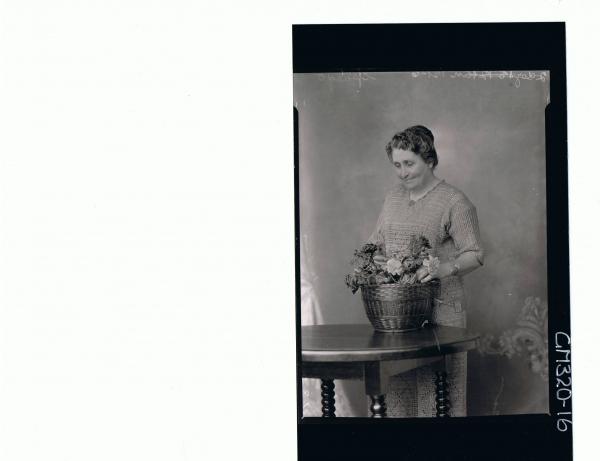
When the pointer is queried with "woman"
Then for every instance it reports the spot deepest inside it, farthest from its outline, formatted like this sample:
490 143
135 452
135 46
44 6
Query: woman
422 204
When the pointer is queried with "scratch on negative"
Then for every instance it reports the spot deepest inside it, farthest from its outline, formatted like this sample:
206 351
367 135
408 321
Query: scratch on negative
497 399
437 341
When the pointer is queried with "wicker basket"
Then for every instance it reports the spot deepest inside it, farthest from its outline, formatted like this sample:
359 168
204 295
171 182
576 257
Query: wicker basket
395 307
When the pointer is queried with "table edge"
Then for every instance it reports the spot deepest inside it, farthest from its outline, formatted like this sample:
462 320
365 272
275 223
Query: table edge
382 354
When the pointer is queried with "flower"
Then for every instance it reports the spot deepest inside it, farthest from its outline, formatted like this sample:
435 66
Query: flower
380 279
418 245
410 264
409 279
432 264
394 266
370 248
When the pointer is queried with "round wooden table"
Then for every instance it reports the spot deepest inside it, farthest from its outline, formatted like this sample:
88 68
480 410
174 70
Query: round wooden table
332 352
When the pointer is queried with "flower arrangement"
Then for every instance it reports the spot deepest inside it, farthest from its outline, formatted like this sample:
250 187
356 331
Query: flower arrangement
398 268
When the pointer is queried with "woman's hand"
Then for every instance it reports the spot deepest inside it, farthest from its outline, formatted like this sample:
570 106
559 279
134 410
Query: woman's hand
432 271
423 275
462 265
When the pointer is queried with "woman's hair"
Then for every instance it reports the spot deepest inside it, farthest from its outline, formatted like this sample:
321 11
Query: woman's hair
417 139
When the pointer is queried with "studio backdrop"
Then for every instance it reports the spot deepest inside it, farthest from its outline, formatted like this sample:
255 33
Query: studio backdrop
489 130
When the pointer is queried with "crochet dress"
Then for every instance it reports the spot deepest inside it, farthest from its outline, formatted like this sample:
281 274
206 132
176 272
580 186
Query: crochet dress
447 218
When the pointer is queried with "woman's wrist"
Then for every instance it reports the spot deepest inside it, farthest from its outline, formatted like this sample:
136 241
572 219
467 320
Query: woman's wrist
448 269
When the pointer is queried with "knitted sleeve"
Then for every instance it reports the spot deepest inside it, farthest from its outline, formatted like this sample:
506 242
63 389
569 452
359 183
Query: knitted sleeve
464 228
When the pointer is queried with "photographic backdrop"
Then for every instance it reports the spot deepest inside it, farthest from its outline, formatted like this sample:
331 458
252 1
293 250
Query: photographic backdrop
489 130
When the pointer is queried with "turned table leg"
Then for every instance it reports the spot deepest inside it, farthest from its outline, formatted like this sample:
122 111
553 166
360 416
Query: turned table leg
328 398
378 407
376 385
442 402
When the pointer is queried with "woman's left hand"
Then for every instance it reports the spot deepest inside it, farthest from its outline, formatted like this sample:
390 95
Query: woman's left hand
426 274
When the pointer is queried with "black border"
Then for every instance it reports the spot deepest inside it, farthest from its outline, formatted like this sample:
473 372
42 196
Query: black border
453 47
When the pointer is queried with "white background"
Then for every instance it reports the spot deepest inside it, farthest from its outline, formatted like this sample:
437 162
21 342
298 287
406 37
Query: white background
146 222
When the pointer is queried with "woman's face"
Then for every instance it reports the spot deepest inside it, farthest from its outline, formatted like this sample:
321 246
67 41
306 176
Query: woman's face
410 168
